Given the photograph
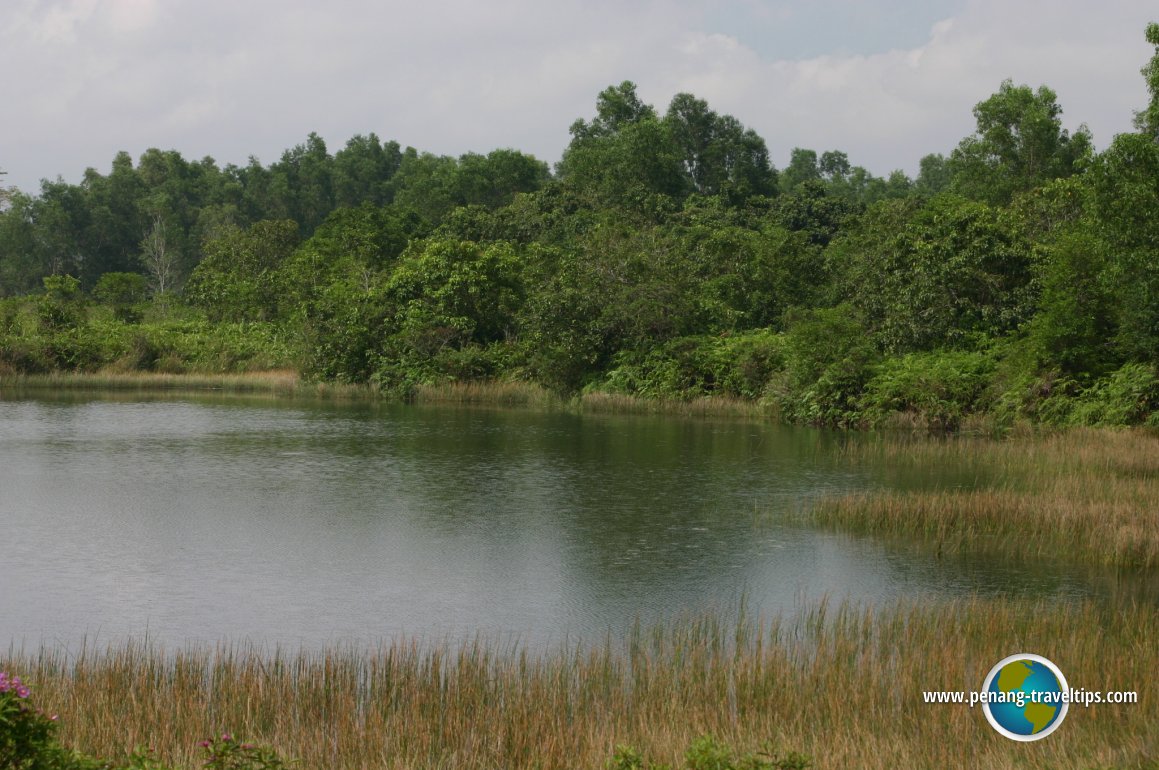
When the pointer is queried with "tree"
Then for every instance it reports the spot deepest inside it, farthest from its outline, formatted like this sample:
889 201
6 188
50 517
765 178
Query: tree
363 170
802 168
929 274
1147 120
1020 144
493 180
124 292
625 157
933 175
616 108
237 278
160 259
719 155
834 165
302 183
1125 203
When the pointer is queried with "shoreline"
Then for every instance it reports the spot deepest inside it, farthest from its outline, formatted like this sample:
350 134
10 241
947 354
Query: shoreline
285 383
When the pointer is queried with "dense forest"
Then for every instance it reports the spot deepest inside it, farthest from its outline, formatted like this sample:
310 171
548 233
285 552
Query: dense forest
663 256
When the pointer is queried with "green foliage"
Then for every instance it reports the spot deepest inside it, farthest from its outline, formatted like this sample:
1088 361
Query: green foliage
927 275
811 210
433 186
689 367
27 735
445 296
1074 330
237 280
172 347
1019 145
720 156
229 753
828 362
124 292
1147 120
1128 396
1125 205
708 753
363 170
62 304
940 387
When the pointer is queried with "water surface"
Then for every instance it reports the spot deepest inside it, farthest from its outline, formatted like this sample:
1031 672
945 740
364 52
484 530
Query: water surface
198 520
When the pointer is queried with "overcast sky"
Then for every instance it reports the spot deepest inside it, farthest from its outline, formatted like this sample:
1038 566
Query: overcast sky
887 82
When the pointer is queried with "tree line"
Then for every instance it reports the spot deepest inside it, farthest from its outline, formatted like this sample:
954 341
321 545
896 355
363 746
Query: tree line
664 255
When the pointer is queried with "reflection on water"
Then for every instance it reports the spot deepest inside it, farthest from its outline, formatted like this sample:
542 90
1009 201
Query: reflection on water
284 522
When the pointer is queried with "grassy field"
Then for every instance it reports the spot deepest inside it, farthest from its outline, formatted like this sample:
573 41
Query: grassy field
1087 496
841 683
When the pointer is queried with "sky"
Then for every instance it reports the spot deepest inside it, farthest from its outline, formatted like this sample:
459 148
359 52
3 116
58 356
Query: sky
887 82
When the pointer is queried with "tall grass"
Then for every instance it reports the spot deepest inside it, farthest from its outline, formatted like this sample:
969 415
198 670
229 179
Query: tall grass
601 402
842 684
279 382
488 392
1083 495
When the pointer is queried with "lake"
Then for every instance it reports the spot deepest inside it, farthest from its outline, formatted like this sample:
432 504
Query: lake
195 519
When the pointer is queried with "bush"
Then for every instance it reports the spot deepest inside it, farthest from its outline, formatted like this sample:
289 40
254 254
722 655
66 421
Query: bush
689 367
940 387
828 362
1128 396
124 292
62 304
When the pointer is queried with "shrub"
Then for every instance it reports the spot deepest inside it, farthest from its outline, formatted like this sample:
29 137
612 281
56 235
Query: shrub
124 292
828 362
1128 396
689 367
62 304
940 387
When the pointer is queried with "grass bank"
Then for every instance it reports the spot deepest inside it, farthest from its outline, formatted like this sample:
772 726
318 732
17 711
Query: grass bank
284 383
842 684
287 383
1082 495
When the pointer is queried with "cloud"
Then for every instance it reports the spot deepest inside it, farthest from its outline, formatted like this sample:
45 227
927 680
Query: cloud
86 79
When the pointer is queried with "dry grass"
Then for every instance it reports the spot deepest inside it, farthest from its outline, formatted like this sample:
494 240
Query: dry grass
842 684
287 383
488 392
706 406
1084 495
279 382
527 394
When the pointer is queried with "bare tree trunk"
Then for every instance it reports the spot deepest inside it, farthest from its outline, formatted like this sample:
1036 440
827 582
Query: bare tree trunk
160 259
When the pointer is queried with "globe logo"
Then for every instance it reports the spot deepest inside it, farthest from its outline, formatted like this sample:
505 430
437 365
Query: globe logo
1025 697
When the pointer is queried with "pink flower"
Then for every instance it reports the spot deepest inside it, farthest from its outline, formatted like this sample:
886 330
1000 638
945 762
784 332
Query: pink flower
22 692
203 744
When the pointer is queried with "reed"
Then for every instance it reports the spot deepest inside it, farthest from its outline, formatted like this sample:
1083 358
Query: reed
842 683
599 402
1085 495
488 392
280 383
